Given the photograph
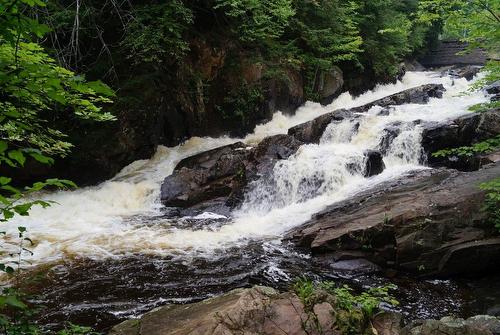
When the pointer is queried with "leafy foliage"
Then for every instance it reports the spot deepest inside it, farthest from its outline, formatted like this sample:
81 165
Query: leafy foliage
492 201
368 301
33 89
33 86
257 20
481 147
156 32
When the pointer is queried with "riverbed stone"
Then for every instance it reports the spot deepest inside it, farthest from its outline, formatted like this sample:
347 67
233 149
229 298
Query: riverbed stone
476 325
215 180
374 163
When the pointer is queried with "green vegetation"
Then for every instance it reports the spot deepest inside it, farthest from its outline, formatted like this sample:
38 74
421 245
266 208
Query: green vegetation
492 201
353 311
34 91
486 146
156 33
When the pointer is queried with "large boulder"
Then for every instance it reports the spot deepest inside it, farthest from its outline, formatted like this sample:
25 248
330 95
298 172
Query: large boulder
208 175
468 72
218 177
311 131
329 84
432 222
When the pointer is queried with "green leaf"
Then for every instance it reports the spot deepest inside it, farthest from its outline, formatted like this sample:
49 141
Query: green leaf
18 156
101 88
3 146
42 158
5 180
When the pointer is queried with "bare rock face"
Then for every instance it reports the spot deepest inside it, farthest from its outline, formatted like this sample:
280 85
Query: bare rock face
311 131
329 85
428 223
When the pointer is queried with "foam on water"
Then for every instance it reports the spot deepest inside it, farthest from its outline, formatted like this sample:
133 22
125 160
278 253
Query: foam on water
95 221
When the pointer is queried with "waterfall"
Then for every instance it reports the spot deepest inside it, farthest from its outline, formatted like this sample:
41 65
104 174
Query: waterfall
123 215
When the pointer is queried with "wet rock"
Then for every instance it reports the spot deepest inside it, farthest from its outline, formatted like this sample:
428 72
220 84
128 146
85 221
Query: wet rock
431 223
311 131
374 163
329 85
355 267
208 175
489 322
388 323
268 152
390 133
215 180
493 88
468 72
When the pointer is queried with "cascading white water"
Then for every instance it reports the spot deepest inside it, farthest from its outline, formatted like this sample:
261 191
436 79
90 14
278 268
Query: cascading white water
105 220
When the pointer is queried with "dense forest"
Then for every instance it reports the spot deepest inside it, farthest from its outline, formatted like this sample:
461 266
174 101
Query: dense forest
89 86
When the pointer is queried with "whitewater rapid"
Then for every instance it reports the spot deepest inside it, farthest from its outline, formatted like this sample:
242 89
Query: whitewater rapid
107 220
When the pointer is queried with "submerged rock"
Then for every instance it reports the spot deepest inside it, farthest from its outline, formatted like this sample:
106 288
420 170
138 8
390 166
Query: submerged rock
468 72
429 223
374 163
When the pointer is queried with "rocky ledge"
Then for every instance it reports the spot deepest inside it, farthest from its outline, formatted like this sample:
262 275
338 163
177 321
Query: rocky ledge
431 222
217 179
263 310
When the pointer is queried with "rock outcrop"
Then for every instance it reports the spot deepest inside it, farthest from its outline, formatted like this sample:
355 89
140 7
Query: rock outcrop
476 325
428 223
463 131
450 52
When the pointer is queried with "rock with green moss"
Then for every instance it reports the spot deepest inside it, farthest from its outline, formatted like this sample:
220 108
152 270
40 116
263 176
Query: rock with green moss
258 310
